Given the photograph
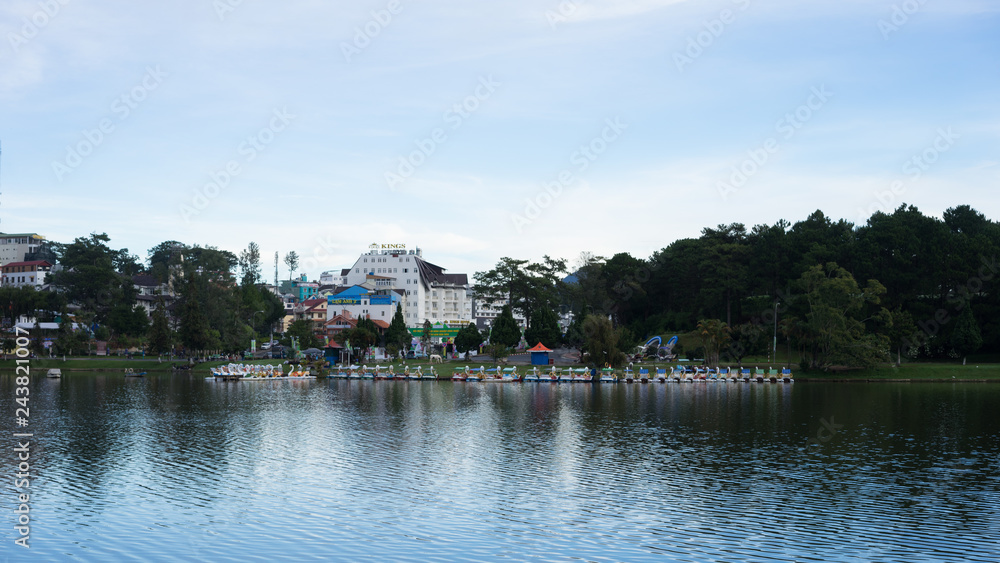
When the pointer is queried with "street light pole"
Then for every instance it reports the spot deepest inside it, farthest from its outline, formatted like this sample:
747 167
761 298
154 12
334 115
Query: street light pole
252 325
774 356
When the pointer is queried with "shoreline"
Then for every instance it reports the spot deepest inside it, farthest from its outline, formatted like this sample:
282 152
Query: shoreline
798 379
908 373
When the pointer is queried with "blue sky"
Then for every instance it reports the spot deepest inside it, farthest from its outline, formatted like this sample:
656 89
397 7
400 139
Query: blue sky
482 130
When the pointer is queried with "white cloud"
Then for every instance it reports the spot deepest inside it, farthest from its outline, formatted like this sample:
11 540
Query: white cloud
323 179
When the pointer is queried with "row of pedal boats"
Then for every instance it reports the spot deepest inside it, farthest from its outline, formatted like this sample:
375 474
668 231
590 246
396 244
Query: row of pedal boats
571 375
679 374
259 372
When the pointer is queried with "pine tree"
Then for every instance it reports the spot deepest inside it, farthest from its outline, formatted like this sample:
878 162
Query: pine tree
64 337
574 337
36 337
469 338
425 336
397 335
966 337
292 261
544 328
505 330
194 328
160 335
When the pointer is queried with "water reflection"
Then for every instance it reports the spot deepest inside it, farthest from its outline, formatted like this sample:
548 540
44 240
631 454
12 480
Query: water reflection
178 468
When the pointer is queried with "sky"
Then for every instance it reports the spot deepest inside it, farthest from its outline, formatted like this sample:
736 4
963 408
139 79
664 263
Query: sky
478 130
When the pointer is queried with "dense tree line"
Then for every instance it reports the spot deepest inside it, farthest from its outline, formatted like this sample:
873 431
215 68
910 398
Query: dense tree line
213 311
903 284
216 310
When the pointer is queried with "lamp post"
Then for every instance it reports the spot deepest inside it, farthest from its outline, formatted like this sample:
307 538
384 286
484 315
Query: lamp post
252 329
774 356
270 340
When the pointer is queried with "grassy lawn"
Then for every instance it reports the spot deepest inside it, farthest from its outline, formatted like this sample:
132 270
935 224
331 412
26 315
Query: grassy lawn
917 371
39 364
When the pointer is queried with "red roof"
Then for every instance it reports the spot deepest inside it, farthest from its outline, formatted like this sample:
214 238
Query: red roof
310 304
539 348
32 263
380 323
342 320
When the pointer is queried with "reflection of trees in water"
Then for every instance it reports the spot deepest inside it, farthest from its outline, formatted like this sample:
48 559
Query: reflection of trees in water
195 447
87 441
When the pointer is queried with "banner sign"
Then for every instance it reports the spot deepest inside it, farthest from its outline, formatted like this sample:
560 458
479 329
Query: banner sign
343 301
437 332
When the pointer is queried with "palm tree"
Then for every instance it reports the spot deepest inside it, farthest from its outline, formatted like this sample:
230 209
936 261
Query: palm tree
714 335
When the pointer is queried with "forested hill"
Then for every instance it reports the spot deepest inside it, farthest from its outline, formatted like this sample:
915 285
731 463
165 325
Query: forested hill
847 294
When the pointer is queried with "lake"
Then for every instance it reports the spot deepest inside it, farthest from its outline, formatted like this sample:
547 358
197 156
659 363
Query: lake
177 468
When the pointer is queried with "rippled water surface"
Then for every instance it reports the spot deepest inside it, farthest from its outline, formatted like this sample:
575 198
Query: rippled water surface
176 468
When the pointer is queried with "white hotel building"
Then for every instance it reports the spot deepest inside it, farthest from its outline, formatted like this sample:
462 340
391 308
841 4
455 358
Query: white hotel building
431 294
14 247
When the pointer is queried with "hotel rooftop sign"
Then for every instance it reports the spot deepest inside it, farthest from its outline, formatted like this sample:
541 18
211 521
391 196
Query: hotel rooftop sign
378 246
